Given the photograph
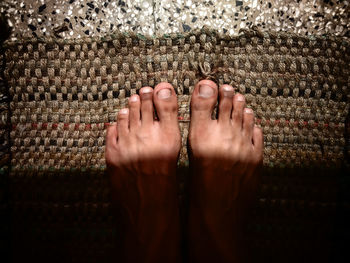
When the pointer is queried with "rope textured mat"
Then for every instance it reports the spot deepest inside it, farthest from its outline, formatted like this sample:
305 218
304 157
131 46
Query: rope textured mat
63 94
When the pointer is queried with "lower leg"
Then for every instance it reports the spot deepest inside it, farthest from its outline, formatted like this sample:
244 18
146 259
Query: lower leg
225 155
141 156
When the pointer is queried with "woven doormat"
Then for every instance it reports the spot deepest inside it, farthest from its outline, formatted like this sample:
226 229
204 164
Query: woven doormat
64 93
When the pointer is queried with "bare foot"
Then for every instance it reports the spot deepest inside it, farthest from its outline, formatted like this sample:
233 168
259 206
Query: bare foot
224 157
141 156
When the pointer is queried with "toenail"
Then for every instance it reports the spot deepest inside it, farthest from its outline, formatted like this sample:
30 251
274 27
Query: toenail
206 91
228 91
146 90
164 94
240 98
124 111
248 110
134 99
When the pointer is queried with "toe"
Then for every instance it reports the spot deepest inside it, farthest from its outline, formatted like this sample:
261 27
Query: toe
258 141
111 149
248 124
123 124
111 136
134 112
237 112
165 101
147 113
225 105
203 101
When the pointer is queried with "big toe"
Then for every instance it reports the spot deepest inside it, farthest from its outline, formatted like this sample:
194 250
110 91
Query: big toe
204 98
165 101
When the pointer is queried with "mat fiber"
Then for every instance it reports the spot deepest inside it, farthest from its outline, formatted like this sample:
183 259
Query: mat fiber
61 94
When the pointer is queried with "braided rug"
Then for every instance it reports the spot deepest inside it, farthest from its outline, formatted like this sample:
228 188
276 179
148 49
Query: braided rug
64 93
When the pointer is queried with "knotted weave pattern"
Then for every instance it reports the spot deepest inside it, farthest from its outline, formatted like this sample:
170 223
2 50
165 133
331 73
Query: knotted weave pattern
64 93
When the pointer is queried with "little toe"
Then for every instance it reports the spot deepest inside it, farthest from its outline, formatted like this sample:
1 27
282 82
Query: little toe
147 112
258 141
134 111
225 104
204 98
123 123
111 136
165 101
248 123
237 112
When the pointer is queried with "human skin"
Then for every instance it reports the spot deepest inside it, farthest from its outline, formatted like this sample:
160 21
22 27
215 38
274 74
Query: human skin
225 156
141 156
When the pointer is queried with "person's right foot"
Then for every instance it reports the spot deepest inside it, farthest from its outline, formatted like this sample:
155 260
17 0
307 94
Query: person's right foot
224 157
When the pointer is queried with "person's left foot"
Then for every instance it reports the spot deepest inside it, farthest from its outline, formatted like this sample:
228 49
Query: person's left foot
141 156
139 144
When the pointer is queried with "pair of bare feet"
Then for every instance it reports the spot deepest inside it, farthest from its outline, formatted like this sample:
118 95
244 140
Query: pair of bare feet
141 155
